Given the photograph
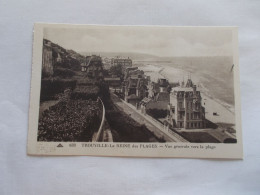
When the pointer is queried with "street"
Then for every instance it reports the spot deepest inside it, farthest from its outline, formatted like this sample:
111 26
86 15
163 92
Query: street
140 119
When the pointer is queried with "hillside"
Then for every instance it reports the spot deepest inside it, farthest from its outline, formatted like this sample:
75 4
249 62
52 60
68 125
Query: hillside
63 61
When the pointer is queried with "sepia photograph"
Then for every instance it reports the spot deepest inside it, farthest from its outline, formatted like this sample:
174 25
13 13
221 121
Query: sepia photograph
136 84
112 97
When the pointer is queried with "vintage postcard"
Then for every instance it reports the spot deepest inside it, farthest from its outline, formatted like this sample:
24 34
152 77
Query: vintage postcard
135 91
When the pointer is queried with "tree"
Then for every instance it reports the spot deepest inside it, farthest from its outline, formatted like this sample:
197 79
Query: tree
116 70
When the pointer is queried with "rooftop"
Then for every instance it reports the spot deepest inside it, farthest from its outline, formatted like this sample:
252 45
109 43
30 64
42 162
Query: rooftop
112 79
132 97
163 96
182 89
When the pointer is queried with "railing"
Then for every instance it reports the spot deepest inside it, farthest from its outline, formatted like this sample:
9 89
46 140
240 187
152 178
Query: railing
173 135
97 136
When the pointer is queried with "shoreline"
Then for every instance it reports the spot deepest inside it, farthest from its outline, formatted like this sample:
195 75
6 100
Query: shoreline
225 111
205 92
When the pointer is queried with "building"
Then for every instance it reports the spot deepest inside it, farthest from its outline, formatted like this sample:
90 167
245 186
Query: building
56 54
134 86
93 66
129 71
125 62
154 88
59 59
158 96
134 72
47 58
107 63
185 109
83 67
134 90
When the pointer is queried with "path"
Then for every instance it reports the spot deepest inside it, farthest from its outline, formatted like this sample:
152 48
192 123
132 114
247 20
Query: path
154 127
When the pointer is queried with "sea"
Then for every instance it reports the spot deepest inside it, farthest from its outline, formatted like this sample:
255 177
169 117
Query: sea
212 75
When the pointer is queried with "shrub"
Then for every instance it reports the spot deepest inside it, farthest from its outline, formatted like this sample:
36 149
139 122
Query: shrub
51 87
85 92
63 73
74 120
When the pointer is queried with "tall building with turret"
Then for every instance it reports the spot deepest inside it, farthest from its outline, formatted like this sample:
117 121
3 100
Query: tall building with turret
185 109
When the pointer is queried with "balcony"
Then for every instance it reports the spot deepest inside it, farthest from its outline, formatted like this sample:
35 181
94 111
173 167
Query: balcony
196 109
181 109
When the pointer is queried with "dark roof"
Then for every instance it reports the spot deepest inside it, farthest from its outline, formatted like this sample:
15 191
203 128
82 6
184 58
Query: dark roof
189 83
91 59
132 82
162 96
133 96
131 68
112 79
146 100
163 82
155 87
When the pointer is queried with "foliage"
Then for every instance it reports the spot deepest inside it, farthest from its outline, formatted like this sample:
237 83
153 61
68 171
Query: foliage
51 87
105 73
85 92
125 129
63 73
73 120
116 70
69 63
103 90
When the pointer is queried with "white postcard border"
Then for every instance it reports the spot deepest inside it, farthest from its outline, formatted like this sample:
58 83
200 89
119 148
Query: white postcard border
219 150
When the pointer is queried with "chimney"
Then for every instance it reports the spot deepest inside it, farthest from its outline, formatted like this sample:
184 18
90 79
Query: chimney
194 89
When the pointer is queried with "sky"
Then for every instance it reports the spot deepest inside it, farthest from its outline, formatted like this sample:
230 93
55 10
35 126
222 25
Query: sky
162 41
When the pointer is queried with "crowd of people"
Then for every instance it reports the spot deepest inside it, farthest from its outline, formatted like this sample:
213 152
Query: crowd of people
70 120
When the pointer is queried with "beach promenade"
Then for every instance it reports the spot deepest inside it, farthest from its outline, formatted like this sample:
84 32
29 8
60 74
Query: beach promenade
153 125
